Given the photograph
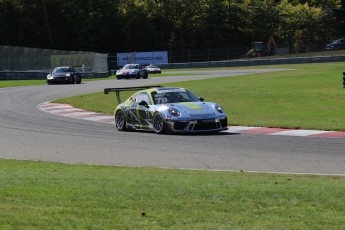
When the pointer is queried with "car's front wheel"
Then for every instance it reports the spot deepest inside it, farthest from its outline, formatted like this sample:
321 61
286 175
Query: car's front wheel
78 81
120 121
159 124
146 75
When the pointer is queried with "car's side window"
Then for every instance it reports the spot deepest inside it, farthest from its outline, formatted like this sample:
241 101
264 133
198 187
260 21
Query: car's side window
134 98
159 98
184 97
144 97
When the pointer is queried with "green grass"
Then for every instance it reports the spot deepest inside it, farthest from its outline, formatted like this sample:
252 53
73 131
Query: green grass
311 96
37 195
15 83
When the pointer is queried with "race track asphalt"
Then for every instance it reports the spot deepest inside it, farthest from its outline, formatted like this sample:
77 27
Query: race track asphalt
28 133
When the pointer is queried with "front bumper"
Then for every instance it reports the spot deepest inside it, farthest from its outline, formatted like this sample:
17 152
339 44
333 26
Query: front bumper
119 76
58 79
205 125
154 71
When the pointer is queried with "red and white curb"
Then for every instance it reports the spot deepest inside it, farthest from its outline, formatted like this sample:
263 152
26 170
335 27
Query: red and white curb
285 132
69 111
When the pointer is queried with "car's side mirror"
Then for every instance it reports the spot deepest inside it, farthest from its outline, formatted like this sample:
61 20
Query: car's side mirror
144 103
201 99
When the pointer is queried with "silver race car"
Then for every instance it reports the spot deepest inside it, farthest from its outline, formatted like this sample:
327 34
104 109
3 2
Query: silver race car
165 110
153 69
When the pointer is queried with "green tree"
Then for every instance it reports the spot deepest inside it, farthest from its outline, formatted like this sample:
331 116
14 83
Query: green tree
304 26
137 25
264 19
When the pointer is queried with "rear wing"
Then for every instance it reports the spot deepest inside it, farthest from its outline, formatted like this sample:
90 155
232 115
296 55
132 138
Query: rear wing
117 90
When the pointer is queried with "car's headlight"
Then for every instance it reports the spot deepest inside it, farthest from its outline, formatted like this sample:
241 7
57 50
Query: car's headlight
68 74
174 112
219 109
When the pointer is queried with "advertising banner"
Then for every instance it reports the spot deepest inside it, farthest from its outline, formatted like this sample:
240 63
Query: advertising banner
157 57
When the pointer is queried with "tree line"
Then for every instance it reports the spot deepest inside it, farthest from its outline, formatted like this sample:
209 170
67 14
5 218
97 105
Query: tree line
112 26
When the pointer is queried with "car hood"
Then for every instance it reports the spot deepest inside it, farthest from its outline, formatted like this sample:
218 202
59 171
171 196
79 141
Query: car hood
194 108
59 74
125 71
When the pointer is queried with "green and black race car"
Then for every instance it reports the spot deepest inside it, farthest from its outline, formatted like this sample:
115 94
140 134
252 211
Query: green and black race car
166 110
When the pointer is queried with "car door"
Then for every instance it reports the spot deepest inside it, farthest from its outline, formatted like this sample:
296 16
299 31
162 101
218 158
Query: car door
133 111
143 71
143 111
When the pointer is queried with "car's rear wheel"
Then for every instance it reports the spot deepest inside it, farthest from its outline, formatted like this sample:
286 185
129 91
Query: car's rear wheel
146 75
120 121
158 123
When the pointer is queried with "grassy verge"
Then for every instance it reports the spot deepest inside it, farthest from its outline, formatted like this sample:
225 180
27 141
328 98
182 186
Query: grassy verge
15 83
36 195
311 96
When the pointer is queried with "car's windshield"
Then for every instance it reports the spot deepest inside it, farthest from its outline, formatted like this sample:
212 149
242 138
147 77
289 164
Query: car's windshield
335 42
173 96
131 67
62 70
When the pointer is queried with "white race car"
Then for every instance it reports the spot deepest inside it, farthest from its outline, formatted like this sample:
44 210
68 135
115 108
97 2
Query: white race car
153 69
132 71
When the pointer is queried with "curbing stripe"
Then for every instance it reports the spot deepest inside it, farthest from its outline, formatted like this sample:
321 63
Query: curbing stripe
300 133
69 111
